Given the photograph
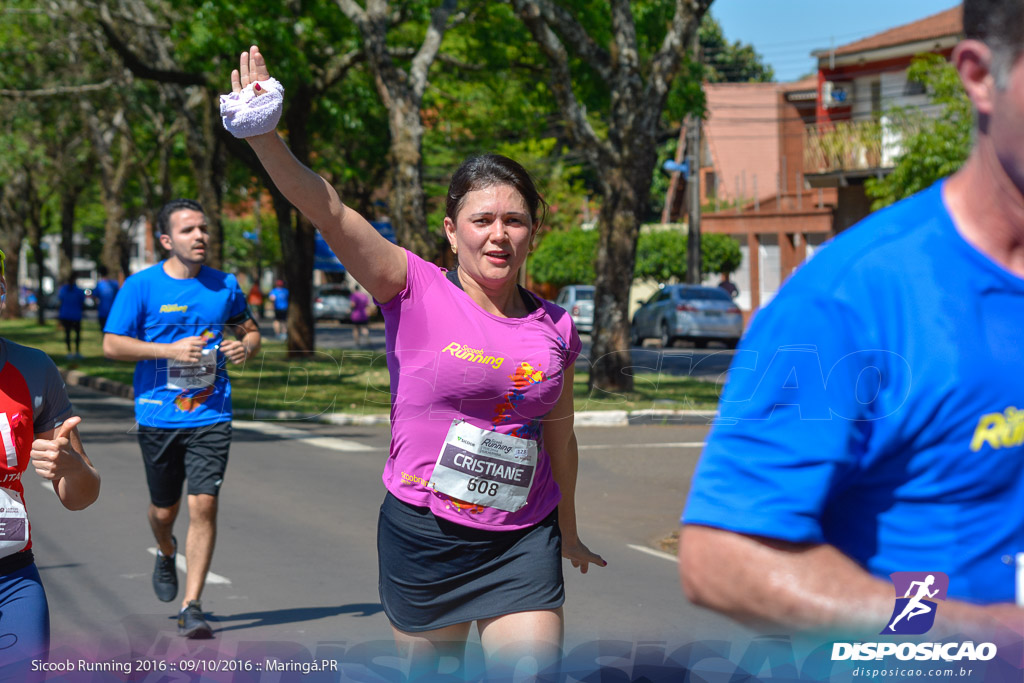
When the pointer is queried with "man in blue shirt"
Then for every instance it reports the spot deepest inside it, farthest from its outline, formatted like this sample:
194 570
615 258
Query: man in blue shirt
870 423
279 297
172 320
105 291
72 305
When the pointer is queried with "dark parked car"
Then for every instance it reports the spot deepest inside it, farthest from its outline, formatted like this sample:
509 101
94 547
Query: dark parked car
331 302
578 300
699 314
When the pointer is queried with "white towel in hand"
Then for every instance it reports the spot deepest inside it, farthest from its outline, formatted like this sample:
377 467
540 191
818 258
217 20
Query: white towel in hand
246 114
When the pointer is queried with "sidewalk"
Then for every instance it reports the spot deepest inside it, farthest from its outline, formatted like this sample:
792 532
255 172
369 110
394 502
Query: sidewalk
587 418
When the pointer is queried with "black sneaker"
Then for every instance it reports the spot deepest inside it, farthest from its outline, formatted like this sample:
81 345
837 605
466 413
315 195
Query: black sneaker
165 575
191 623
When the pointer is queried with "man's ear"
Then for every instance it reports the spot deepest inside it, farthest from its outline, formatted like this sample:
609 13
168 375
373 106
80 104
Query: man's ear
165 241
973 61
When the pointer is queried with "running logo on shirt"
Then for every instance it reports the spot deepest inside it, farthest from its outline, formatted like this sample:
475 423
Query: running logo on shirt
999 430
914 612
173 308
466 353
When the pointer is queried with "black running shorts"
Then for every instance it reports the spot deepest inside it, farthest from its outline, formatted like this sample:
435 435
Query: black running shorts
199 454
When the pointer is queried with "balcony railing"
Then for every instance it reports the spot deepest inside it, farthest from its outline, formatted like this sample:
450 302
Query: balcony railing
845 146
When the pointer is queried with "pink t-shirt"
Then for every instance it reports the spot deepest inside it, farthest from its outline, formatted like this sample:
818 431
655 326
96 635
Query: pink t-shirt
359 302
449 359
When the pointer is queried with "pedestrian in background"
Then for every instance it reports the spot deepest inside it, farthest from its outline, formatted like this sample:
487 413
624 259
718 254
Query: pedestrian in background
358 316
279 298
255 299
72 307
105 291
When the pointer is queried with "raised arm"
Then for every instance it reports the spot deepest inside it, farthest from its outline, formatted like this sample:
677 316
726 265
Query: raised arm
377 264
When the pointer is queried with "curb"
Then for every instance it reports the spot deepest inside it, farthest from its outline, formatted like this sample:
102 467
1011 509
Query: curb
586 418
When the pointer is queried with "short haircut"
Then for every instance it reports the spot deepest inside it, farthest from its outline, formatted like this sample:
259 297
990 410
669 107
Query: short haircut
1000 25
488 170
163 217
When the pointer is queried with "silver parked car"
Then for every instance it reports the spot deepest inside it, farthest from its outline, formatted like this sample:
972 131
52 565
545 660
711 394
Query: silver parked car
331 302
578 300
699 314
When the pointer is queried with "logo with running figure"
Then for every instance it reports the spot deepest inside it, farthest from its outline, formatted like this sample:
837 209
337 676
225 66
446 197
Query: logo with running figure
914 612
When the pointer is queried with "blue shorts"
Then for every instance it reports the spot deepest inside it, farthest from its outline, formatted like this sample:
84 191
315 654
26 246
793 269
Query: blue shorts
24 623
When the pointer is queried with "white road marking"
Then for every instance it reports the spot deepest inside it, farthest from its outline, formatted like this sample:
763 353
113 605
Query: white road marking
183 568
302 436
655 553
675 444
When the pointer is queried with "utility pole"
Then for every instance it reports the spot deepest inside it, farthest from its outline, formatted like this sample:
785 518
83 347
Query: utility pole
693 255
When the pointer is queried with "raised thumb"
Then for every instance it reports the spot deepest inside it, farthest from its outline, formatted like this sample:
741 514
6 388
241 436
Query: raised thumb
68 425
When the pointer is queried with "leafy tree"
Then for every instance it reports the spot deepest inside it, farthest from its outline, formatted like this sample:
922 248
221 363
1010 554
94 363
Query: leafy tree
565 257
193 49
633 51
934 146
661 256
720 253
401 88
726 62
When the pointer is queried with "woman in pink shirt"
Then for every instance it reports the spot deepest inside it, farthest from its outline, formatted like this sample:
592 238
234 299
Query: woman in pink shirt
482 469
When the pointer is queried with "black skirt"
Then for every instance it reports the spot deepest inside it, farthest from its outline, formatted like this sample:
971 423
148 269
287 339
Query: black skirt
435 573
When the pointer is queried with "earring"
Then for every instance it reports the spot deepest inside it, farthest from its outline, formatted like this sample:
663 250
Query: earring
455 249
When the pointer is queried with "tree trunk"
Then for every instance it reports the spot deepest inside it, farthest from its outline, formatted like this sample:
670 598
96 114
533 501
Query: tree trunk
205 152
68 200
12 307
625 195
407 211
298 274
115 243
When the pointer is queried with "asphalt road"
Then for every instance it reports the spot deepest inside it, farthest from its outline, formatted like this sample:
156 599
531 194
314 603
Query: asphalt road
295 567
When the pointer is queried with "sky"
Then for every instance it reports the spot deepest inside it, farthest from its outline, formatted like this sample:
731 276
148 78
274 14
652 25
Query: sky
785 32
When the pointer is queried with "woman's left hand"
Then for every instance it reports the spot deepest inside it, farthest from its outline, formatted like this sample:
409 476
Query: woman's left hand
580 555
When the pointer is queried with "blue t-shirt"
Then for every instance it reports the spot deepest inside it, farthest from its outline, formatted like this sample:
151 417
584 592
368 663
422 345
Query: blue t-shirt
105 291
873 405
72 301
280 296
154 307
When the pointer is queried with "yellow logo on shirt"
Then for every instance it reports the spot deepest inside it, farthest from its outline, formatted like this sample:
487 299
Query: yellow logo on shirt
999 430
466 353
173 308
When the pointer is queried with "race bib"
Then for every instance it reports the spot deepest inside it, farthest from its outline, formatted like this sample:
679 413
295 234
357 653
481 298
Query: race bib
484 467
13 523
187 376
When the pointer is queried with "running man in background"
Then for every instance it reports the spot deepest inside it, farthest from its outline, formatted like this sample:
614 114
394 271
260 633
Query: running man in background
279 298
172 319
38 430
105 291
72 307
871 422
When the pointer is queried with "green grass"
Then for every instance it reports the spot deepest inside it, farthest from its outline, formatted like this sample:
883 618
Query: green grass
339 380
